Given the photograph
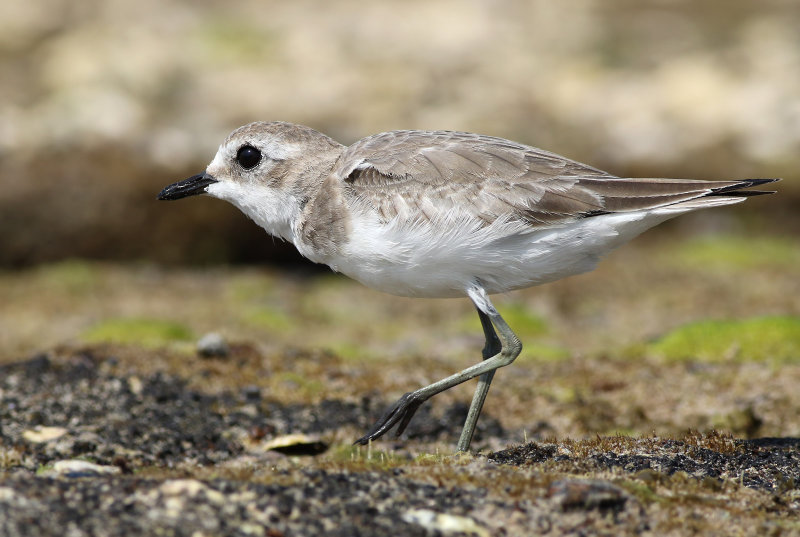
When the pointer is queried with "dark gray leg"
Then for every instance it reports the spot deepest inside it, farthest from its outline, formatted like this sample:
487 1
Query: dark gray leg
403 410
491 348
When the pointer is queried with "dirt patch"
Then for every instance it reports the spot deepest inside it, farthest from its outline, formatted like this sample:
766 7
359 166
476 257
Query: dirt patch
85 446
133 421
771 464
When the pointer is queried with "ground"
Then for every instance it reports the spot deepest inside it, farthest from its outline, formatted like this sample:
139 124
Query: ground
656 396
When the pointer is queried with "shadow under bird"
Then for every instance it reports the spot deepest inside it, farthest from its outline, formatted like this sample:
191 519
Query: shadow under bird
442 214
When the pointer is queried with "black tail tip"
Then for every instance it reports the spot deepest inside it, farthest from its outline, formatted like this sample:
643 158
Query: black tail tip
747 183
737 189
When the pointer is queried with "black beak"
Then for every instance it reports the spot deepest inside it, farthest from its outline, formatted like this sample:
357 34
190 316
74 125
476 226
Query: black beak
192 186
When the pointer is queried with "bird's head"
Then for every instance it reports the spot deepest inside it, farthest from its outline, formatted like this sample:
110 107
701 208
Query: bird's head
265 169
254 158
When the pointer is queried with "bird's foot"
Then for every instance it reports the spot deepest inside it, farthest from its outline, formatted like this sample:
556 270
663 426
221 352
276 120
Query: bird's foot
401 412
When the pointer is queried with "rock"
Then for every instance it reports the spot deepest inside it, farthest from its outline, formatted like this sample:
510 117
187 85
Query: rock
443 522
213 345
183 487
135 385
586 494
7 494
251 393
40 435
296 444
79 468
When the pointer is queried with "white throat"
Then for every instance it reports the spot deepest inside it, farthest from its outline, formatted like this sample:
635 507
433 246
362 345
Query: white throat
273 209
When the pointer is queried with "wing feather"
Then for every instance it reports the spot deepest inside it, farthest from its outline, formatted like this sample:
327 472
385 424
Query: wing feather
430 174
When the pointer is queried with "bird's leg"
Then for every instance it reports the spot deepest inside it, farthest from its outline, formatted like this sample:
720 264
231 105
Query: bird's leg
491 348
403 410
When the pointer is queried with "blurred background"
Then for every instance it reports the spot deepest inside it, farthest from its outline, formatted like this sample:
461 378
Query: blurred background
102 103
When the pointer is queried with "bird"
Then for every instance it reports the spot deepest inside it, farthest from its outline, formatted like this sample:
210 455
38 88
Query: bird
442 214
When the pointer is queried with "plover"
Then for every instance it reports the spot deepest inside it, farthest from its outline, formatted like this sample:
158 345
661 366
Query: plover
442 214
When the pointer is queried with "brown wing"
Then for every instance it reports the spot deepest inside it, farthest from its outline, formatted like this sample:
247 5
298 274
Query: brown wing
424 174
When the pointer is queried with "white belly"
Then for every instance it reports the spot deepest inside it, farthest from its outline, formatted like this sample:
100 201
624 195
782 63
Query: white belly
443 258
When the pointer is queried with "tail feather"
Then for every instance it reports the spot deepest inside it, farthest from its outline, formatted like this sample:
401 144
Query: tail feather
724 195
742 193
668 196
736 189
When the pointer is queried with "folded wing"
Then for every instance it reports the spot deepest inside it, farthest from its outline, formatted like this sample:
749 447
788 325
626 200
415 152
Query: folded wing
435 174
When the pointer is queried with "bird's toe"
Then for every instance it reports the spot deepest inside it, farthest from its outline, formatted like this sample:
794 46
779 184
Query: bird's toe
400 412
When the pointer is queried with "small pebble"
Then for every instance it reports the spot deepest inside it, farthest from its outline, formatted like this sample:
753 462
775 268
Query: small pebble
444 523
296 444
251 392
41 435
182 487
79 468
212 345
586 494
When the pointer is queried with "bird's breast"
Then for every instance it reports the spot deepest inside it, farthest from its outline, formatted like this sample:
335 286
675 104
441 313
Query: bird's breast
427 258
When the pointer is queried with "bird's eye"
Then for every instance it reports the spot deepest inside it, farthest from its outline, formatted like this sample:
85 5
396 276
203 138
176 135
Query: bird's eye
248 157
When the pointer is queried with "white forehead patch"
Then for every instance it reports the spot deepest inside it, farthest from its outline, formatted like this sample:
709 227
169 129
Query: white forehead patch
219 160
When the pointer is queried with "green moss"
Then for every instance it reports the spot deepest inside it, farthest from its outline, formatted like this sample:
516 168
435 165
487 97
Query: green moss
350 351
642 491
440 459
529 327
726 252
145 332
520 319
246 288
269 319
535 351
523 322
44 469
328 299
357 458
309 387
771 339
71 276
559 393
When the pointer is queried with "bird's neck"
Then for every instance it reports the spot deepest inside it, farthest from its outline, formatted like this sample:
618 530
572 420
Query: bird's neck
279 208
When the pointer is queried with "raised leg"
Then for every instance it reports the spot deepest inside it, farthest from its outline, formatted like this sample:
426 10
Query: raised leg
403 410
